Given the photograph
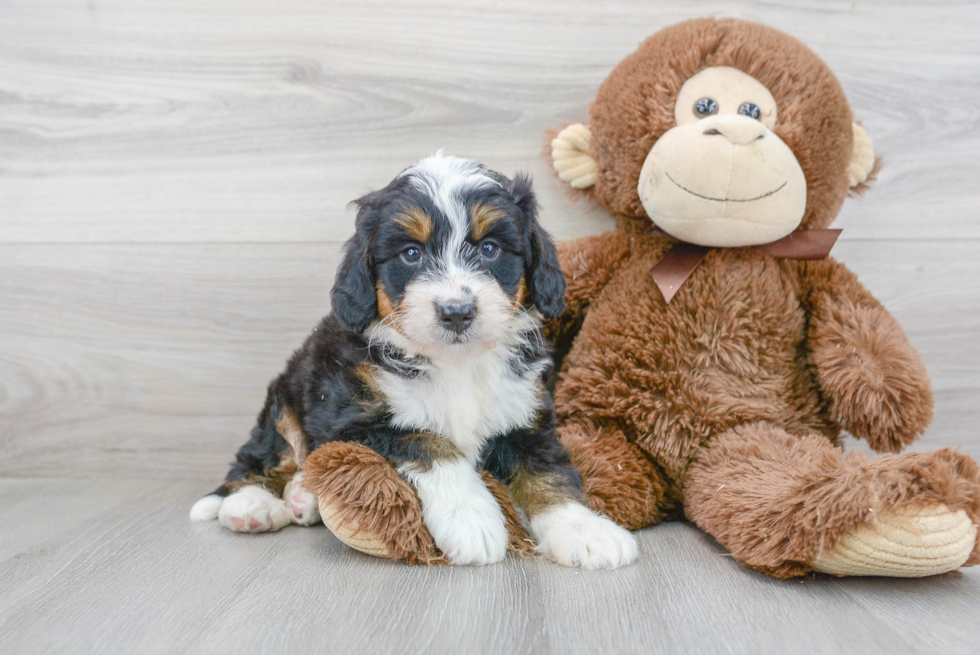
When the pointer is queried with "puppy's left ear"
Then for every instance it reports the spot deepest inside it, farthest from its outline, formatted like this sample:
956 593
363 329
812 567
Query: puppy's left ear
354 299
545 281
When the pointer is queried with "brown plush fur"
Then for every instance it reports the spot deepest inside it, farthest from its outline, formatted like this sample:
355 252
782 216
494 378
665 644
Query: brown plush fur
729 401
373 496
619 480
777 500
519 541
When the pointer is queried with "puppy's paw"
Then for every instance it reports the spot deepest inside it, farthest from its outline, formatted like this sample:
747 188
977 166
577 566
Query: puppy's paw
466 522
206 509
253 509
572 535
303 505
474 533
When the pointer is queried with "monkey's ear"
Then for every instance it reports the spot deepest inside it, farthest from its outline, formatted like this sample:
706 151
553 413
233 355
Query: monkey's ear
862 157
353 298
571 155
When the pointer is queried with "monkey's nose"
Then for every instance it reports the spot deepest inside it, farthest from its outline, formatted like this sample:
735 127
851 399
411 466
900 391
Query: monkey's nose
740 130
456 316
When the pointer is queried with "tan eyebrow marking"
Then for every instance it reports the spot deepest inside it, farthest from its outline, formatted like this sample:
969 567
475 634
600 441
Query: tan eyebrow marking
416 223
482 218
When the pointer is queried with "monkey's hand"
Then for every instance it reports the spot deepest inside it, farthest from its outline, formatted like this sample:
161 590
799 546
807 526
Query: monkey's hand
571 155
876 383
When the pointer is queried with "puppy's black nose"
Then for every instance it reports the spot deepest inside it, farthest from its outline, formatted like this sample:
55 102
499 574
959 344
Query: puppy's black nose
456 316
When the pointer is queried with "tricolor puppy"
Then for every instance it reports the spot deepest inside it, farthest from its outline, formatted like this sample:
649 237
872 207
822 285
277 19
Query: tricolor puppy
433 358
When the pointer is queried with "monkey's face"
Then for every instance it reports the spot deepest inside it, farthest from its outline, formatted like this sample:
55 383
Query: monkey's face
721 176
685 133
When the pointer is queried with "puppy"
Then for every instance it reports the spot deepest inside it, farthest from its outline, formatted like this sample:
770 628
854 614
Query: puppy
433 358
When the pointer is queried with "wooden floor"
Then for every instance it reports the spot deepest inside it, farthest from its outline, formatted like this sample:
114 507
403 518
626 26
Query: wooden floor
117 567
173 183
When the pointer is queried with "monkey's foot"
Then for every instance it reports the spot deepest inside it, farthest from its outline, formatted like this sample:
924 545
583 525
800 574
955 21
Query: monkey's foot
367 505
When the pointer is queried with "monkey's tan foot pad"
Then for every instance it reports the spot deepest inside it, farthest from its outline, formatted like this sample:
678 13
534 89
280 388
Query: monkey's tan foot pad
904 542
348 531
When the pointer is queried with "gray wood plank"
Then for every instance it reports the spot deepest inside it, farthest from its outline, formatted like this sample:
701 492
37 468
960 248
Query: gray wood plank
153 359
173 182
138 576
258 121
35 510
105 346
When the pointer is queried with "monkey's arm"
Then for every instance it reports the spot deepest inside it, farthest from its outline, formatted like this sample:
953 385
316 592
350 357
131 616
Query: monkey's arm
873 377
587 263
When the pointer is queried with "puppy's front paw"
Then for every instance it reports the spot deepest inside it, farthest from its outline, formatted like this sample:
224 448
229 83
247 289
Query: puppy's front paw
303 504
253 509
466 522
571 535
472 533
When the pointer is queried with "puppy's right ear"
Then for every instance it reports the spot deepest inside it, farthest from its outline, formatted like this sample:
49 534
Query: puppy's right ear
354 300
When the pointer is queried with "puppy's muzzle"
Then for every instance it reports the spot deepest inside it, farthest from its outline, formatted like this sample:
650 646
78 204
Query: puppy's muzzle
456 316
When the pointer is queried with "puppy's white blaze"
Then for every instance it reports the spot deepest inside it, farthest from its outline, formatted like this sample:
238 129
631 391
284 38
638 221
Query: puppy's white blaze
572 535
253 509
445 179
460 512
206 509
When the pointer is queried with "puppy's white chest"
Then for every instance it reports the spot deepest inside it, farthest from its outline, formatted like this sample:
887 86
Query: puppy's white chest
467 404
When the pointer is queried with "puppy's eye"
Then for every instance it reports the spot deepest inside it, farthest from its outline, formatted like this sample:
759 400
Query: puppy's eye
705 107
489 250
411 255
750 110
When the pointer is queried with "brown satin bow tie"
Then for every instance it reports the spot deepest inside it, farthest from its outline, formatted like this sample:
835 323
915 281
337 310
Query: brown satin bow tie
681 260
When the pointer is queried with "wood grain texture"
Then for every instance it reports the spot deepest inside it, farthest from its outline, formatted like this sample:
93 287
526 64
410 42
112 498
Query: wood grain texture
129 573
173 187
153 359
258 121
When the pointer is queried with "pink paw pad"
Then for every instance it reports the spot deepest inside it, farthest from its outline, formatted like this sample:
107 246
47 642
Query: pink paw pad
240 522
300 502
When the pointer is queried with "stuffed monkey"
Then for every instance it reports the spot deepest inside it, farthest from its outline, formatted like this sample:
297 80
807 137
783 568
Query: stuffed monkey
711 352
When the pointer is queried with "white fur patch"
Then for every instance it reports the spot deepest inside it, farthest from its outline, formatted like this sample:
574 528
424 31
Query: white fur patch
463 517
253 509
467 399
206 509
572 535
303 504
453 283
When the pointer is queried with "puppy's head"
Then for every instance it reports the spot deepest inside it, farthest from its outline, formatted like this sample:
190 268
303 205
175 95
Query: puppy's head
448 254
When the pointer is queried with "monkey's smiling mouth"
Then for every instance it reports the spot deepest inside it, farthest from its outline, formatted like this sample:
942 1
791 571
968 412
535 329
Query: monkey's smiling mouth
693 193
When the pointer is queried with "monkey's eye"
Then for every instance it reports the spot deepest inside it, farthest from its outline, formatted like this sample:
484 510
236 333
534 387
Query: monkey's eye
489 250
411 255
705 107
750 110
